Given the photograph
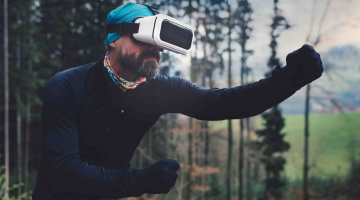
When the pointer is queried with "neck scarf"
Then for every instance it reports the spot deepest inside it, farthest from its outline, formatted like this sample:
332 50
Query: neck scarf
121 82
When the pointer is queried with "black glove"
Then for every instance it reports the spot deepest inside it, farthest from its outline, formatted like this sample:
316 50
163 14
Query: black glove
302 67
159 177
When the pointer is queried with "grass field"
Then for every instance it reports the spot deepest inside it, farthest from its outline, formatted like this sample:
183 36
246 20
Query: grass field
330 139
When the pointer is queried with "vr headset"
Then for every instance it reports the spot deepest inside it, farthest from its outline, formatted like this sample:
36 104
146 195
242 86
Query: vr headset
159 30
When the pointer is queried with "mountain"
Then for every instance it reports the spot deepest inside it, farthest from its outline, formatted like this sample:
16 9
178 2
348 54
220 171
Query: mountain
339 85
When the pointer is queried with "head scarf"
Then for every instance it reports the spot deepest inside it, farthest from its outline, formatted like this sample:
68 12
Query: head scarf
121 82
125 13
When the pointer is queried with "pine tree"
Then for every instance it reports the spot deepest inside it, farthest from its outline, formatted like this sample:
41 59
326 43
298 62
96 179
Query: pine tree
273 141
271 138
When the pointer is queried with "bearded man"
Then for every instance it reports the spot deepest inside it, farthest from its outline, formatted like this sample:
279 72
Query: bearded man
94 116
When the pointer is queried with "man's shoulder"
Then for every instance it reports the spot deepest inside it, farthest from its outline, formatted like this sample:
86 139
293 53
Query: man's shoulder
160 77
170 81
75 72
73 78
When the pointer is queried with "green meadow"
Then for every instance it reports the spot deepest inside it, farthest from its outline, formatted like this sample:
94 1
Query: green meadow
334 138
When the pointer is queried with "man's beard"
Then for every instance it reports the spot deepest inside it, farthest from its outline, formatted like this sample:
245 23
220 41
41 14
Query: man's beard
137 66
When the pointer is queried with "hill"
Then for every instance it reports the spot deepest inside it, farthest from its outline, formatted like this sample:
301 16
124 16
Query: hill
333 139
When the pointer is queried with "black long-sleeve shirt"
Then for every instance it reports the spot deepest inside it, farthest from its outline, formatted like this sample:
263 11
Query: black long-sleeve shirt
91 128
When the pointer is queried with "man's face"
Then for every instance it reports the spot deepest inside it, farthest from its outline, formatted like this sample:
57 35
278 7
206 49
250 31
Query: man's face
141 60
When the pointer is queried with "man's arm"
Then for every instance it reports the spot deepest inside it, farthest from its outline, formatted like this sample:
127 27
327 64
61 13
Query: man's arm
182 96
68 174
226 103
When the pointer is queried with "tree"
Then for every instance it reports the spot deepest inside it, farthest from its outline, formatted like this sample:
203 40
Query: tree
230 25
32 80
271 136
18 103
6 89
189 10
68 26
211 61
27 127
307 102
243 15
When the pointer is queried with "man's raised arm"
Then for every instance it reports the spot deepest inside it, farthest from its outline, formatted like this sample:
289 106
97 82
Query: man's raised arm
181 96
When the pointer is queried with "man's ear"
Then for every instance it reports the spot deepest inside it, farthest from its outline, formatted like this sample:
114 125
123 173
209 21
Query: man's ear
112 44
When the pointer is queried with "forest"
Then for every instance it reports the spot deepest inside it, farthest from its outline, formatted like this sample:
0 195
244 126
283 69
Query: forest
304 148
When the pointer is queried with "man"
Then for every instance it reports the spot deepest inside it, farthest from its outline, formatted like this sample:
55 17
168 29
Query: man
95 115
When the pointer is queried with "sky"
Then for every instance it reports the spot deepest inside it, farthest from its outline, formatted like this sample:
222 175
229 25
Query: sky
340 28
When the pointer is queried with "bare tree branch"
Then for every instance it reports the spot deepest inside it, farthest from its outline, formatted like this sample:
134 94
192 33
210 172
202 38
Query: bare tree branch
142 151
311 21
321 22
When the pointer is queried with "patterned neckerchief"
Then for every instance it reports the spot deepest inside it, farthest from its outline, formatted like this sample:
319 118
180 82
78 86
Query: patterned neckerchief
121 82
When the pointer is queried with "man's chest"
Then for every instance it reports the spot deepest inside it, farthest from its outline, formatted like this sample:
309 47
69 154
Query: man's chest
108 133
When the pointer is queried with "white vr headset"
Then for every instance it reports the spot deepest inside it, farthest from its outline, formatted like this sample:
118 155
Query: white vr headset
159 30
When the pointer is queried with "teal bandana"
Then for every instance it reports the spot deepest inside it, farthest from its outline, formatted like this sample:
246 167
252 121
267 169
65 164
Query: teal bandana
125 13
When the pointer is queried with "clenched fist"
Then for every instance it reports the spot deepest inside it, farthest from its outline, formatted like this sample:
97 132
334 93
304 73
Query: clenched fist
161 176
302 66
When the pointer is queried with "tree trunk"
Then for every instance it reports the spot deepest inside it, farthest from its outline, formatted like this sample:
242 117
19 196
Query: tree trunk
18 112
27 131
206 150
190 133
241 159
256 172
249 195
27 136
229 158
307 101
203 160
197 150
267 185
248 163
167 138
203 124
18 144
245 10
230 140
207 136
6 89
241 142
190 161
306 150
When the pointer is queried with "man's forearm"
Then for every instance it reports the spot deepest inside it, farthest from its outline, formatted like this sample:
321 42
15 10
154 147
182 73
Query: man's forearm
255 98
237 102
78 178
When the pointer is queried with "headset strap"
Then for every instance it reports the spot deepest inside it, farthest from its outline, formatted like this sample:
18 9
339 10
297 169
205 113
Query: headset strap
122 28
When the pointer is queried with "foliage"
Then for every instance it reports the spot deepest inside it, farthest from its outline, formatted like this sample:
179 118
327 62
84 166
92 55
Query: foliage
2 186
353 182
271 142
